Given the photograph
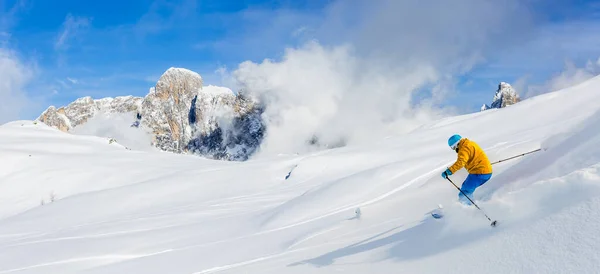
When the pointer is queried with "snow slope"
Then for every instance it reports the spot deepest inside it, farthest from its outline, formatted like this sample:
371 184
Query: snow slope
128 211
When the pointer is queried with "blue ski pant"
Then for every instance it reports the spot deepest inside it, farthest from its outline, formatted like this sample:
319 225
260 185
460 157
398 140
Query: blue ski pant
472 182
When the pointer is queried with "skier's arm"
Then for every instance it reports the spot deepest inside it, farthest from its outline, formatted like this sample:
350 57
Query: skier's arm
461 161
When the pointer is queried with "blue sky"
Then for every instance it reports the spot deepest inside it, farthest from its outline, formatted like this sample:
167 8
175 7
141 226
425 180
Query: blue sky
112 48
108 48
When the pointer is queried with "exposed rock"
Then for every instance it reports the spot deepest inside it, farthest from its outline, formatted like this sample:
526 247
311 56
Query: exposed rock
79 111
505 96
56 118
166 108
234 134
182 116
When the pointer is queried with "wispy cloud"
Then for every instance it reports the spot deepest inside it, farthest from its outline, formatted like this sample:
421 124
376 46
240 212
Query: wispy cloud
14 76
72 80
4 38
9 14
553 56
71 27
164 15
570 76
299 31
261 33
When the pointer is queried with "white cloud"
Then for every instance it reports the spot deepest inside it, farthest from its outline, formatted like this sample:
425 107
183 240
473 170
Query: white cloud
559 40
261 32
72 80
63 83
71 27
570 76
358 82
14 76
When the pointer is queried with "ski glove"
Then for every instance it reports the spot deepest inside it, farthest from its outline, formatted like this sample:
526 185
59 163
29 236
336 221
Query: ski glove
446 173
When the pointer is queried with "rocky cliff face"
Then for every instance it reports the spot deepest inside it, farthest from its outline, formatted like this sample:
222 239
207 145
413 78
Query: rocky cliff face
166 108
227 127
82 109
505 96
181 115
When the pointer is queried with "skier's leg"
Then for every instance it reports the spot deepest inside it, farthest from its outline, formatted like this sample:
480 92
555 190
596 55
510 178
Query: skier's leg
483 178
467 188
472 182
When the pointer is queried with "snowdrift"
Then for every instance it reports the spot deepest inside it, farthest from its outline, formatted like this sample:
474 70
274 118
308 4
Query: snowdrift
82 204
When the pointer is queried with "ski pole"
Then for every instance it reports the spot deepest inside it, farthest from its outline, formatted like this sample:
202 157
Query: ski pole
493 222
520 155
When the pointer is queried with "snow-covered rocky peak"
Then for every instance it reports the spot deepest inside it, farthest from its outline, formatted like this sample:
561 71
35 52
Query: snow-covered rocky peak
82 109
505 96
180 114
167 106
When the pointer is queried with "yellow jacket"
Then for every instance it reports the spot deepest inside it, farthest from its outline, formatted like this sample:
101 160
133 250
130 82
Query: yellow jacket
471 157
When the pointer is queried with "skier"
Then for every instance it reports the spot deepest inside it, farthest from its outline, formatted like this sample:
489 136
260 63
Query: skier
474 159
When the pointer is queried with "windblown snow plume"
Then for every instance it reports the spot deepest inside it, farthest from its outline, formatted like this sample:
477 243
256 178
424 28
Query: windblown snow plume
333 93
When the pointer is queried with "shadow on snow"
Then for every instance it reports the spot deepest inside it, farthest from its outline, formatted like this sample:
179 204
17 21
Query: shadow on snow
423 240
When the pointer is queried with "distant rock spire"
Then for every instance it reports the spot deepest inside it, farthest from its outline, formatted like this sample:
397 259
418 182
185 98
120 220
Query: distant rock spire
505 96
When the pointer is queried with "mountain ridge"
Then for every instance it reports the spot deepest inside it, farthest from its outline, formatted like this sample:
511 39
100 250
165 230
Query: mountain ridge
180 115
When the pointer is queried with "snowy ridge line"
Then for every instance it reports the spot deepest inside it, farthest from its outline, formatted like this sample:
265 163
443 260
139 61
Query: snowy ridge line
293 185
23 236
343 235
289 251
16 242
313 236
336 211
221 268
76 260
353 206
262 233
244 263
120 187
93 236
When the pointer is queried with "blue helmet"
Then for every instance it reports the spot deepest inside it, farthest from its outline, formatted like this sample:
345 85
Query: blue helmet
453 141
